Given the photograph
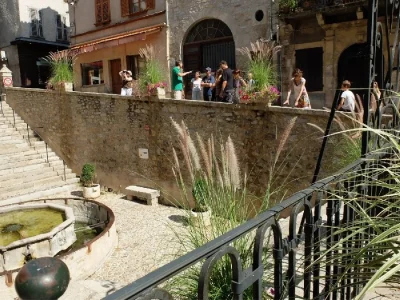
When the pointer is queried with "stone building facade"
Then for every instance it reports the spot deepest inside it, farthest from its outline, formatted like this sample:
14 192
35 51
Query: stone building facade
108 34
30 29
329 43
201 33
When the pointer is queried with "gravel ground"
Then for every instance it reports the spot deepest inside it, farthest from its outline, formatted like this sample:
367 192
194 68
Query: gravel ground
146 238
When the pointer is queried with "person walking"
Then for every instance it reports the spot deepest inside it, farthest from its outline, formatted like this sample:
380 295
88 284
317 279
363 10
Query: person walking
298 85
218 85
347 101
196 86
238 84
126 76
208 86
227 91
177 81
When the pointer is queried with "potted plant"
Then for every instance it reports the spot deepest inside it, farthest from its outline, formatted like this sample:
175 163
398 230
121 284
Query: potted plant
152 77
90 189
260 63
286 6
201 213
62 75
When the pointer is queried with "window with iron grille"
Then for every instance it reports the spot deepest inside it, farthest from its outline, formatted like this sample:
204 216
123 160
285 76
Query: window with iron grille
103 14
62 30
36 22
133 7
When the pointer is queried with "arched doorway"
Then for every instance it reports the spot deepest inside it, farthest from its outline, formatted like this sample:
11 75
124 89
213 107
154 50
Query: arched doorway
206 44
353 65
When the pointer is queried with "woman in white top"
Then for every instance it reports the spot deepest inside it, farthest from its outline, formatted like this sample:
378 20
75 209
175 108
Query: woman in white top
298 85
196 86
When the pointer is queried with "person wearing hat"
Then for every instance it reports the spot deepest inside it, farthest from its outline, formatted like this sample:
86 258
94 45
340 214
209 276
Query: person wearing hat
347 101
208 86
126 76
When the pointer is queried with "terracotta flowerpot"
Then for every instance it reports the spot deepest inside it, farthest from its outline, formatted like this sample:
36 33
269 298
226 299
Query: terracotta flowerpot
91 192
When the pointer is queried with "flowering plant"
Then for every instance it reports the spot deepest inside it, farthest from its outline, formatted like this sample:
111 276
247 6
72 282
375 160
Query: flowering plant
270 94
152 87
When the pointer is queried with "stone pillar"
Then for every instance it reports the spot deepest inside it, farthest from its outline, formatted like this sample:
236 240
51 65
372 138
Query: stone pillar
329 67
5 78
288 57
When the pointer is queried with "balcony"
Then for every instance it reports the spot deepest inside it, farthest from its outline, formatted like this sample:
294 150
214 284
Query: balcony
333 11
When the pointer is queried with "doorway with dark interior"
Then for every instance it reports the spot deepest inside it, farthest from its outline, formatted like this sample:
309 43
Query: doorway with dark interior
116 80
353 65
206 44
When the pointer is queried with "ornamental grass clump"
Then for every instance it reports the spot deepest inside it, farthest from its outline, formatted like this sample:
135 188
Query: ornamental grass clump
61 64
153 74
211 172
260 63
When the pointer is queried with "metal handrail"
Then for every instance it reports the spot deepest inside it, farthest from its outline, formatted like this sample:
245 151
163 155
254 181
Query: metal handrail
260 223
46 145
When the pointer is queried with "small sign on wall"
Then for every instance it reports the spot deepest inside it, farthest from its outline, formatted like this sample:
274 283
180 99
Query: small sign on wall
144 153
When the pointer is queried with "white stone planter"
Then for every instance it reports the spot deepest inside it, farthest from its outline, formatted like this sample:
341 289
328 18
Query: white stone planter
64 87
201 218
161 93
91 192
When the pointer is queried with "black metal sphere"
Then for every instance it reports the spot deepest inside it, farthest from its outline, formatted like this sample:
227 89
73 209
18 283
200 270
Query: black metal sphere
45 278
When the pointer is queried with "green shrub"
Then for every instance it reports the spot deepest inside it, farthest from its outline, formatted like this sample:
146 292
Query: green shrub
88 174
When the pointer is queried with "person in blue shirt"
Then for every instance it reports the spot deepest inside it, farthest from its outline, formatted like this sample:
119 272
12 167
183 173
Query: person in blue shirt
208 86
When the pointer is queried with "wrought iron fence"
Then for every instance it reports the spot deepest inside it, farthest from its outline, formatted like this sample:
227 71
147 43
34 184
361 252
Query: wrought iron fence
311 233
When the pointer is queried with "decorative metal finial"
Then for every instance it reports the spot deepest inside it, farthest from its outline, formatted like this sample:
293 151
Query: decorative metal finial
45 278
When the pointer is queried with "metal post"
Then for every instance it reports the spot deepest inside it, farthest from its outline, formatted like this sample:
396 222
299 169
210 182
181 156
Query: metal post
65 177
27 129
47 154
1 104
14 117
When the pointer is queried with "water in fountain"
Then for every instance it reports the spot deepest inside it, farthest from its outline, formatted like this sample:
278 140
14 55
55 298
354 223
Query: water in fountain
21 224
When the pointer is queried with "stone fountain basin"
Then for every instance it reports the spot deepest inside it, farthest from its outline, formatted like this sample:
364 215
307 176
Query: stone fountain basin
60 238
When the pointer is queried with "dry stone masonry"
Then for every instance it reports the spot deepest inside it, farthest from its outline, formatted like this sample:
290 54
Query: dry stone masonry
109 130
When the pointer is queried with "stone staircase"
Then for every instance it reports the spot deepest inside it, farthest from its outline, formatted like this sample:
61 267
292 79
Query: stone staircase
25 172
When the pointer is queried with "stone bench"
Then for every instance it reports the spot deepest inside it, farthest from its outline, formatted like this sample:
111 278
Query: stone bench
150 195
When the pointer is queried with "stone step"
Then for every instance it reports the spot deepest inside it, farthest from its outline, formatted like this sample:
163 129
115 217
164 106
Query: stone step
40 187
33 173
12 141
20 158
35 178
32 195
23 163
9 149
15 170
9 136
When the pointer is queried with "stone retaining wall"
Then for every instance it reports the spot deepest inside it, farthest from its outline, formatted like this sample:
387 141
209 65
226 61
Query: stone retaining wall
109 130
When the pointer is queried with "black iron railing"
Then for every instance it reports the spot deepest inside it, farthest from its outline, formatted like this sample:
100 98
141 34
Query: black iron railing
317 281
317 274
316 5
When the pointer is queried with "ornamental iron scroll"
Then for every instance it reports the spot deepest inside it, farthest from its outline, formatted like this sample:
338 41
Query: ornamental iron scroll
207 30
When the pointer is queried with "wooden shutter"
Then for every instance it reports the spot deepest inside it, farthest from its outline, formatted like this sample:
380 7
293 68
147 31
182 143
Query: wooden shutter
102 10
151 4
124 8
106 10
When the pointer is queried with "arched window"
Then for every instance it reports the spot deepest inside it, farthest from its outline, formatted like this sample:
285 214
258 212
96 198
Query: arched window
207 30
